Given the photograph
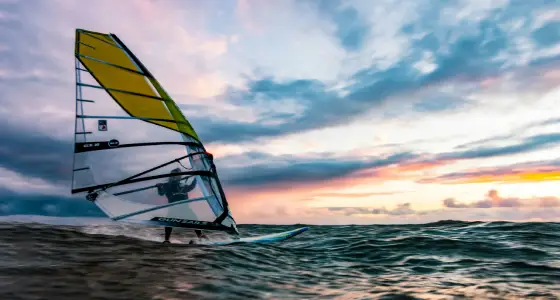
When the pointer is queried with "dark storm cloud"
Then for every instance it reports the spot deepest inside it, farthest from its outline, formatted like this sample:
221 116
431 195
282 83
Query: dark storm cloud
35 154
286 169
12 203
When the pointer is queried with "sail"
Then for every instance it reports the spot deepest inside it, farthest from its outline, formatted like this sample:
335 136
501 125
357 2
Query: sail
136 155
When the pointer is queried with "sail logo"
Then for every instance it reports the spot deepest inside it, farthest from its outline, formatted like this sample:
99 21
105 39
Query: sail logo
113 143
102 125
91 145
183 221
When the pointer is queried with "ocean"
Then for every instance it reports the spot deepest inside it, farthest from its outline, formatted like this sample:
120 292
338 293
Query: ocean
443 260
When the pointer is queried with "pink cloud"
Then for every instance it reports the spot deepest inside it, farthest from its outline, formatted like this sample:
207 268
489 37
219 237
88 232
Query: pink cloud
493 199
245 11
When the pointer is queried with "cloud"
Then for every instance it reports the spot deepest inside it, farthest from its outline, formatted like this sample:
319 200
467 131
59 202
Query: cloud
349 211
267 169
263 94
471 53
263 169
40 156
452 203
546 209
497 208
516 132
322 216
20 183
483 149
528 144
351 29
515 173
400 210
354 195
431 61
13 203
548 35
494 200
35 154
464 60
50 159
439 102
37 69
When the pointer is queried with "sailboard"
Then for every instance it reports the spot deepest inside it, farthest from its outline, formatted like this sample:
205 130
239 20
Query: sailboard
261 239
134 147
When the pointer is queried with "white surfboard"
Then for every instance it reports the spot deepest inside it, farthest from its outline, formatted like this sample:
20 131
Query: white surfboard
262 239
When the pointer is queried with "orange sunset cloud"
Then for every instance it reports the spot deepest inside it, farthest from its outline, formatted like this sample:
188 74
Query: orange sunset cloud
511 174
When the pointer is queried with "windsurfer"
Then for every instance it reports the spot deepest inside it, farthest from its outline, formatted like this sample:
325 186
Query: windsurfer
175 191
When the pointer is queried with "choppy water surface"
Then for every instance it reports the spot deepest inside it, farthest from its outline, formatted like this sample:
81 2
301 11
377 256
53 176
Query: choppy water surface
444 260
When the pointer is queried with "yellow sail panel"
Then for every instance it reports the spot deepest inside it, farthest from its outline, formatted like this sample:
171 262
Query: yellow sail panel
116 71
145 111
174 110
98 49
101 36
115 78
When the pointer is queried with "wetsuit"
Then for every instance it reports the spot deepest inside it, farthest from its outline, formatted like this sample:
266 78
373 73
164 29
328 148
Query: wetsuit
174 192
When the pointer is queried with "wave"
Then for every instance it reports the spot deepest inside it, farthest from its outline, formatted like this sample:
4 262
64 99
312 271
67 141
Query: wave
446 259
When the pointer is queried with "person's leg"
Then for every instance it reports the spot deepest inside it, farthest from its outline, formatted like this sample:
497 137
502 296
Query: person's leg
199 234
168 233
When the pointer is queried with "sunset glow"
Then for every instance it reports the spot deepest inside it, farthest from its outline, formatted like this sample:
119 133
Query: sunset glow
329 112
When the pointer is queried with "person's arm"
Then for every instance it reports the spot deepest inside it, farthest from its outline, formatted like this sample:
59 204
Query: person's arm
160 189
190 187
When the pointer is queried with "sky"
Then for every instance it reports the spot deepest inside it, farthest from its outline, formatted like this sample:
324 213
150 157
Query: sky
317 112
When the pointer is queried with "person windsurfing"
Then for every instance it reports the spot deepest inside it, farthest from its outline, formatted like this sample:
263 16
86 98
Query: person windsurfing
175 191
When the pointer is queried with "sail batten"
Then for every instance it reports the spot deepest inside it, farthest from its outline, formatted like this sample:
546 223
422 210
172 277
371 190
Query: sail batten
104 40
157 171
106 145
158 207
128 118
87 45
122 91
112 65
